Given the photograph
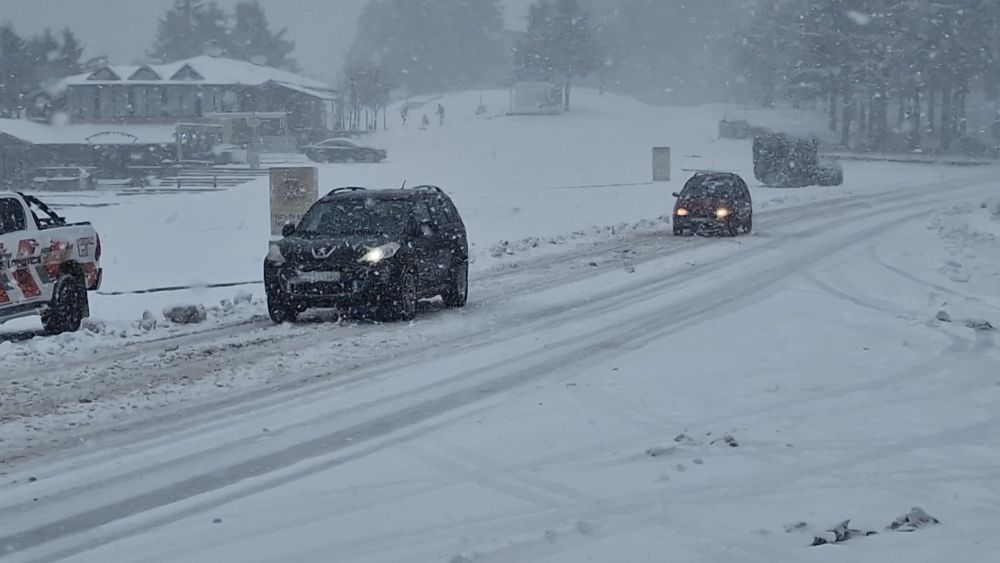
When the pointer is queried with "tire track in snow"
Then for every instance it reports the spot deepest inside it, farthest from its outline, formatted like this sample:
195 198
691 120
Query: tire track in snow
294 344
536 274
669 279
606 342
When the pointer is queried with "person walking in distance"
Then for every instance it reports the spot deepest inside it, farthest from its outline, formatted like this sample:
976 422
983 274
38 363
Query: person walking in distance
440 114
404 113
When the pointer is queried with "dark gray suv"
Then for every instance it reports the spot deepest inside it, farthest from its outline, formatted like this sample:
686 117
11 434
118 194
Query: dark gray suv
382 250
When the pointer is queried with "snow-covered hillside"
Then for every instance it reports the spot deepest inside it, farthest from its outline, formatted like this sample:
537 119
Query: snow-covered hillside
612 393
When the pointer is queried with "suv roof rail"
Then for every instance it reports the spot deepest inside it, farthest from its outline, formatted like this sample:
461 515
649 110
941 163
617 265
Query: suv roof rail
336 191
428 188
707 172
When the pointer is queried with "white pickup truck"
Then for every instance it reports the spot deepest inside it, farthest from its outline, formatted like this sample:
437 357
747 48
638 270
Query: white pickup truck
46 264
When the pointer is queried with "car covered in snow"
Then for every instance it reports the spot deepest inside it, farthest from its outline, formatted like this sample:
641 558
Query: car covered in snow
713 202
343 150
382 250
46 264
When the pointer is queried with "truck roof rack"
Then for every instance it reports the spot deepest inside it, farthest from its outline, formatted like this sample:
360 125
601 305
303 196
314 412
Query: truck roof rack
345 189
51 219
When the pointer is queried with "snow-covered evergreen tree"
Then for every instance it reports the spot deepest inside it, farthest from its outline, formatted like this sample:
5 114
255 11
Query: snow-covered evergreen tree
252 39
560 43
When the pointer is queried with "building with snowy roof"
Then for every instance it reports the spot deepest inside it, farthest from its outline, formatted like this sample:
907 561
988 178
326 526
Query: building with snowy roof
119 116
202 87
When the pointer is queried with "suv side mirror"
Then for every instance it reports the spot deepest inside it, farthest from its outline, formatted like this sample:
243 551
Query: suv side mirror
288 230
677 194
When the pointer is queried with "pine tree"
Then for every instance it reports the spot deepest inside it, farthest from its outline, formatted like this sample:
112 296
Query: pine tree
431 45
70 53
664 48
559 43
15 70
861 56
187 29
43 52
366 93
251 38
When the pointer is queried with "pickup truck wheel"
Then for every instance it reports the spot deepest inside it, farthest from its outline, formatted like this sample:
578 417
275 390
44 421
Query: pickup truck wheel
68 308
280 309
457 294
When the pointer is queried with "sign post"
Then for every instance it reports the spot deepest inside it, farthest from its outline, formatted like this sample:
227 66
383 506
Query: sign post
254 157
293 191
661 164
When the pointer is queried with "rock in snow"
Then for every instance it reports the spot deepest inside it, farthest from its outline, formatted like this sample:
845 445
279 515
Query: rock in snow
683 438
796 527
185 314
728 440
915 518
979 325
659 451
147 322
840 533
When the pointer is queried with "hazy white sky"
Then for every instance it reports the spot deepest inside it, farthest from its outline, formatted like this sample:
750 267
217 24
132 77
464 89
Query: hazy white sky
124 29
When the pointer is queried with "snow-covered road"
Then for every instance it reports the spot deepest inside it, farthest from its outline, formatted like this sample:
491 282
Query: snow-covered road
519 429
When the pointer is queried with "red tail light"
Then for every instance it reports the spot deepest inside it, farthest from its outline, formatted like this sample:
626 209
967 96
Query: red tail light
97 251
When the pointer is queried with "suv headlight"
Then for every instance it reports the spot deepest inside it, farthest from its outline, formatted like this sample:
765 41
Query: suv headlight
380 253
681 212
722 213
275 256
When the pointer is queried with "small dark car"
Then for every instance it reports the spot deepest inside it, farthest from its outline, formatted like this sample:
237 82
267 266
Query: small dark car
382 250
343 150
713 202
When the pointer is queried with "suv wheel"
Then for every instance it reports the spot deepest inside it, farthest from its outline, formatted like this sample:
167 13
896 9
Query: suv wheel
457 294
68 308
732 228
402 305
280 309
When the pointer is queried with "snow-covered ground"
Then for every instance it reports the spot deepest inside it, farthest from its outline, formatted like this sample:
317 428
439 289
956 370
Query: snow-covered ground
524 185
621 396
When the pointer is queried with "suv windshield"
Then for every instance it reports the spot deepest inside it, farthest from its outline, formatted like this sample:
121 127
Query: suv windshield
709 187
366 216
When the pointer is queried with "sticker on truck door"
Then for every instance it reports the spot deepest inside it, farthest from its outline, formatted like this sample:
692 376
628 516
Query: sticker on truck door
21 266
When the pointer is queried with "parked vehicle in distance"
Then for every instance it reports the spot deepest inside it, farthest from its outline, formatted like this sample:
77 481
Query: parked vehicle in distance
64 178
46 264
342 150
829 172
379 249
784 161
714 202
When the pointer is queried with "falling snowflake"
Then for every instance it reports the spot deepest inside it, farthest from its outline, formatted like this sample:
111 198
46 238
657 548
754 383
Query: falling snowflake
859 18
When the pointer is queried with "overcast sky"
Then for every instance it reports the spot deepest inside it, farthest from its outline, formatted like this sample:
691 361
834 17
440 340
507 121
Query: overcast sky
124 29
